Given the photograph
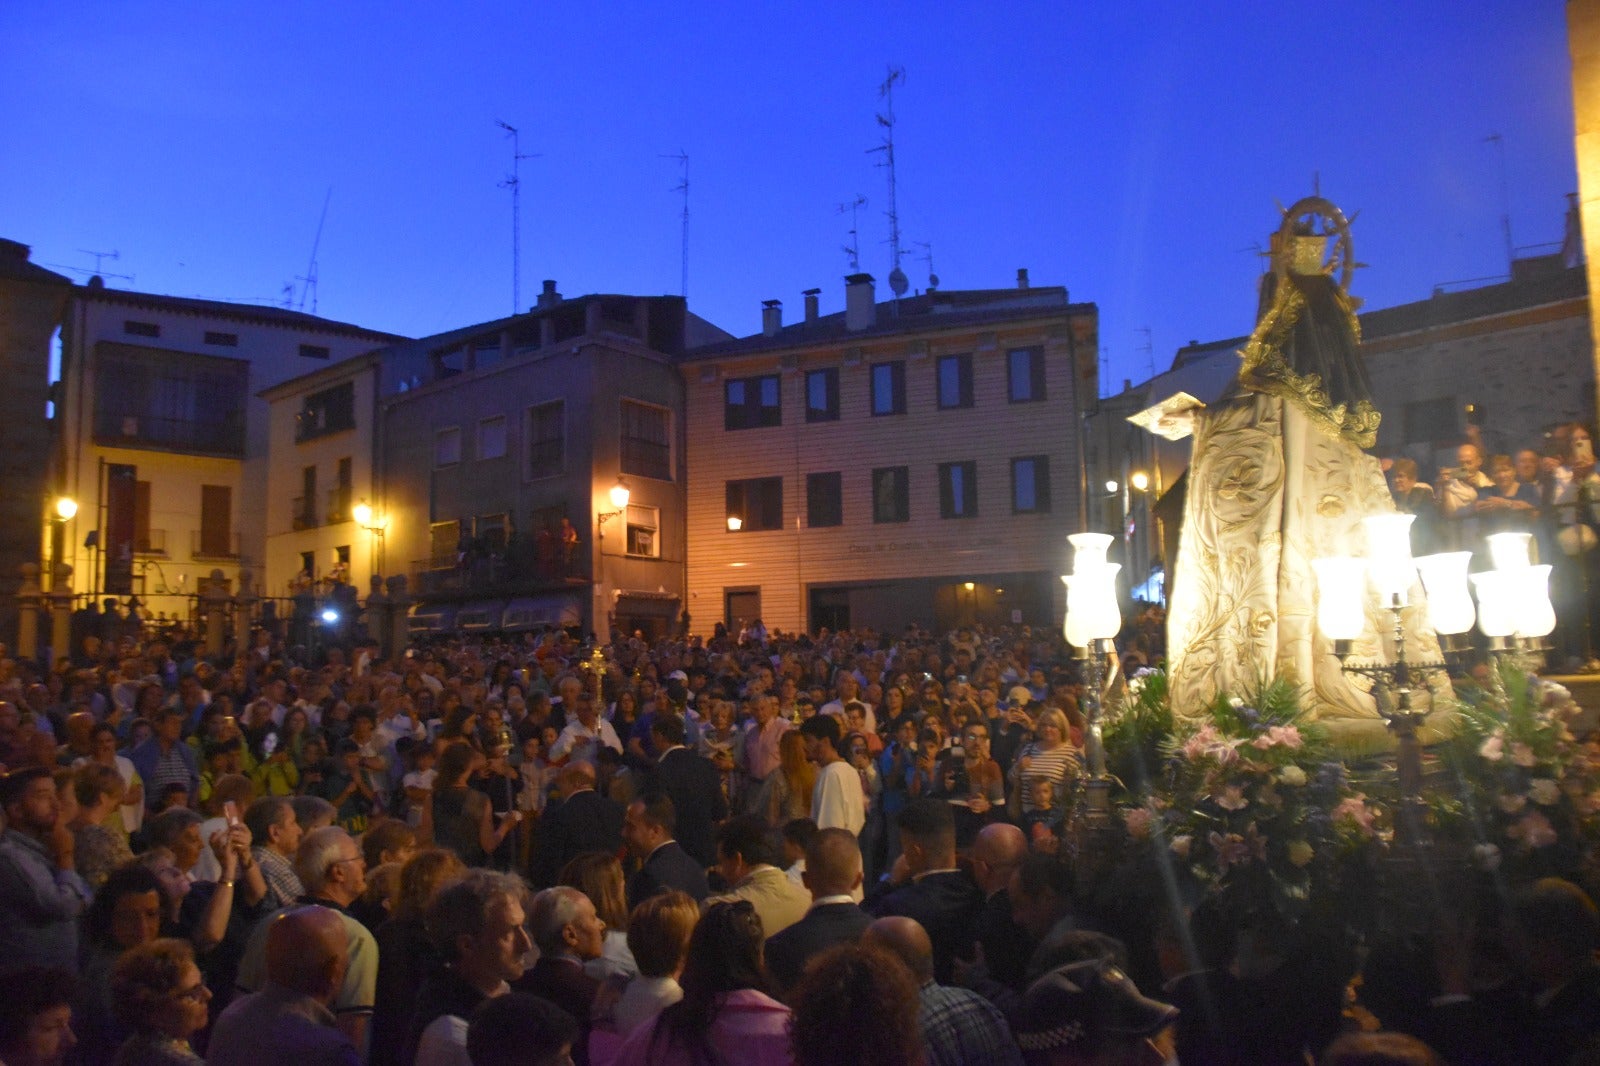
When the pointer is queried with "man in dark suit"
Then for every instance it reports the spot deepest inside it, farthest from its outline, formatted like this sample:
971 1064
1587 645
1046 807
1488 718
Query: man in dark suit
926 885
996 854
647 829
832 873
694 785
583 821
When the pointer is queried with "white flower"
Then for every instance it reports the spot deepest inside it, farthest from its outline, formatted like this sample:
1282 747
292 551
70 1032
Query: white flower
1292 776
1180 845
1544 791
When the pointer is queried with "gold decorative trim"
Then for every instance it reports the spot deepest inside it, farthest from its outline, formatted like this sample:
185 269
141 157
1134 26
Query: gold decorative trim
1265 370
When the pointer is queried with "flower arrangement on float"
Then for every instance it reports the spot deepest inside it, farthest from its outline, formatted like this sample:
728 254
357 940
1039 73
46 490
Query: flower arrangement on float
1251 802
1247 801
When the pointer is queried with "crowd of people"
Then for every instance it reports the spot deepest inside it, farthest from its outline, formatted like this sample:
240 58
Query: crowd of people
813 849
1551 491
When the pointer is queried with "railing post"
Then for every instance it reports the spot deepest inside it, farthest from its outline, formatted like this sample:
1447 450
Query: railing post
399 615
60 613
28 602
244 605
214 609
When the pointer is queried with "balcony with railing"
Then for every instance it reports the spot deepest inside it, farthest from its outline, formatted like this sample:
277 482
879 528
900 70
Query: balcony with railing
510 570
303 512
119 430
212 545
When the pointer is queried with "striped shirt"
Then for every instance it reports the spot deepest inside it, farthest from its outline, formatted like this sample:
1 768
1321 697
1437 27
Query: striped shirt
1052 766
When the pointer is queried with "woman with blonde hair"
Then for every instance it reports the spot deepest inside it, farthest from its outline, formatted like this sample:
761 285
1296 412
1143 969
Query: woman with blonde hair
786 793
1044 767
599 876
659 930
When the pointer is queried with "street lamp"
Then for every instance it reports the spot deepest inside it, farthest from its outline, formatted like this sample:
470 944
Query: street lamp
1139 480
735 523
66 508
376 525
1093 619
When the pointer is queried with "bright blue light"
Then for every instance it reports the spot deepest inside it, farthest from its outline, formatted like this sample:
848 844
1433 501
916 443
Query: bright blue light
330 615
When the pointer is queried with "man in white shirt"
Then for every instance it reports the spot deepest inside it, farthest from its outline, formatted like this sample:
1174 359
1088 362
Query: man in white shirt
847 688
836 800
586 731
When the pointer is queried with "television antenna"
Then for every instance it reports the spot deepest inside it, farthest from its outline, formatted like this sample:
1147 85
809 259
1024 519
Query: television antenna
898 283
853 249
1505 199
1147 348
514 183
310 277
927 257
99 257
683 186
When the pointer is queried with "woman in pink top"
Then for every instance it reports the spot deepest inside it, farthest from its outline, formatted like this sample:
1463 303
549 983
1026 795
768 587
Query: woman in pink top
725 1015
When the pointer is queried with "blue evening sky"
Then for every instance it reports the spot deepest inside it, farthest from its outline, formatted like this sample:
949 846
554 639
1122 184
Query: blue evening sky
1133 151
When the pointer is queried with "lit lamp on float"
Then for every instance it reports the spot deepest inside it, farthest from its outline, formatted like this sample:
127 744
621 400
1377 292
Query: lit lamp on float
1513 611
1093 620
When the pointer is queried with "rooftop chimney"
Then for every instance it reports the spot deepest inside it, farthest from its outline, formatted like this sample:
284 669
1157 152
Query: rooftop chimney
860 302
811 304
549 297
1022 277
771 317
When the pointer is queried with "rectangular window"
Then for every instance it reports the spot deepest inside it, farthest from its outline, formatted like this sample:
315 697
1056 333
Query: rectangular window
492 438
222 340
646 440
304 506
447 447
644 531
144 539
822 395
547 439
891 494
757 504
752 402
329 411
889 388
958 490
339 497
444 541
314 351
1030 484
216 522
1025 375
141 329
955 381
824 500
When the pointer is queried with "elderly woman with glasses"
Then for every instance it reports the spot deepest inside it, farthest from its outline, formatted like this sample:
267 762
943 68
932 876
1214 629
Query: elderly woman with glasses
159 993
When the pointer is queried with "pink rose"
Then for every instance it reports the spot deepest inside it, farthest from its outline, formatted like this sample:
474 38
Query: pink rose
1533 829
1232 798
1521 754
1493 749
1138 821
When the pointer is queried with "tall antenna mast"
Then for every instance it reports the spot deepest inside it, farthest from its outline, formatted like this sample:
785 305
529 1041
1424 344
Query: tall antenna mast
310 278
853 249
897 277
514 183
1147 348
683 187
1505 200
101 257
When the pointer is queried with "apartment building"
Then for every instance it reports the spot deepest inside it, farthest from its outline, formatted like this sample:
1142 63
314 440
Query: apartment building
913 460
162 437
324 513
532 469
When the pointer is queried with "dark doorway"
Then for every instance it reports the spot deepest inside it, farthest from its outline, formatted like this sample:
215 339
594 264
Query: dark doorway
830 609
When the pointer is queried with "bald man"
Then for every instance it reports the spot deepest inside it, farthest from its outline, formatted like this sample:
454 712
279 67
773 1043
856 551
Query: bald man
957 1026
996 854
289 1020
832 874
583 821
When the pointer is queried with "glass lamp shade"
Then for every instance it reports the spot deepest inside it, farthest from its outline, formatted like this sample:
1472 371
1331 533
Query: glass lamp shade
1509 551
1497 612
1444 577
1536 616
1089 550
1341 612
1389 553
620 495
1092 609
